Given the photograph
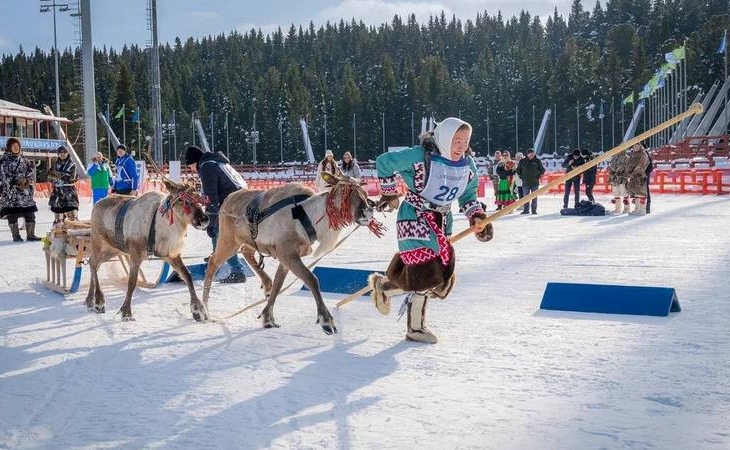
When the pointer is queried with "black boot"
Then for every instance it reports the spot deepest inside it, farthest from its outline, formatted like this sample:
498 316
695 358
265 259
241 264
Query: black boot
30 230
234 277
15 232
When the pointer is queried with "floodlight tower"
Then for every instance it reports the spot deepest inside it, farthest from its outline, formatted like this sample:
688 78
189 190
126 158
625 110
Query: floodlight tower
46 6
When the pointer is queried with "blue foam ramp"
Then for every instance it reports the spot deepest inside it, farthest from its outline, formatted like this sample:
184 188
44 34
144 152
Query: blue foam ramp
610 299
197 271
340 281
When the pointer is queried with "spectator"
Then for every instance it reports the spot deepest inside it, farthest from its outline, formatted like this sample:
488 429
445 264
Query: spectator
649 170
589 176
101 177
506 170
518 181
573 161
17 183
64 201
126 179
350 166
492 172
530 169
328 164
219 180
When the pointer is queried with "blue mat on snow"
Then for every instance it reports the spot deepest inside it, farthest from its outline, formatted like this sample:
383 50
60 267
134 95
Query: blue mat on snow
610 299
197 271
340 281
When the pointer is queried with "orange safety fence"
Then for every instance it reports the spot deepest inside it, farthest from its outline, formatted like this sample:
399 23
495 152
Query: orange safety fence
662 181
674 181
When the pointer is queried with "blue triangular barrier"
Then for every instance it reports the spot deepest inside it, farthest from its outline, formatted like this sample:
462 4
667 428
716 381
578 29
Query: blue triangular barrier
340 281
197 271
610 299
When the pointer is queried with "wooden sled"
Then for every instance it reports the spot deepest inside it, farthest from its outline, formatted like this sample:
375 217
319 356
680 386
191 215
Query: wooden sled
72 241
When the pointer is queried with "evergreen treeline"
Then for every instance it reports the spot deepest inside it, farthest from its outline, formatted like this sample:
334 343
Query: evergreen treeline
482 70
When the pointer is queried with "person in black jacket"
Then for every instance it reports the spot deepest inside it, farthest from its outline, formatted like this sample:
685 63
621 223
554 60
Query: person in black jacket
589 176
219 180
530 169
573 161
649 170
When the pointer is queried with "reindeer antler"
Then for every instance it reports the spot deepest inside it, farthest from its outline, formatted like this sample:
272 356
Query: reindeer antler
155 166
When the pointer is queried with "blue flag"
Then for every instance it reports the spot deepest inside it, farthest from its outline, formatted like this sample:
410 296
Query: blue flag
135 116
723 44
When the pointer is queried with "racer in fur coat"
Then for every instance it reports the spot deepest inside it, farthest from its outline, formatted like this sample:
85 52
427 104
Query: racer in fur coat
636 165
437 172
617 177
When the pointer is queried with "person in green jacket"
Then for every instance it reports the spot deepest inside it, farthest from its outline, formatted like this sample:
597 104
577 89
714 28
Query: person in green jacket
437 173
101 177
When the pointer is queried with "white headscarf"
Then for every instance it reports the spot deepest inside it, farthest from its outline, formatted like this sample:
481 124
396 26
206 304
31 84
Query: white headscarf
444 134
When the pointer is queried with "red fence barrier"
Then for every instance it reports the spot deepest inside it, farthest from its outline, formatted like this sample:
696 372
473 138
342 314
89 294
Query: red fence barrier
662 181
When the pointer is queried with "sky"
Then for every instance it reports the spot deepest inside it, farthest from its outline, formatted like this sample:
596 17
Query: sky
116 23
505 374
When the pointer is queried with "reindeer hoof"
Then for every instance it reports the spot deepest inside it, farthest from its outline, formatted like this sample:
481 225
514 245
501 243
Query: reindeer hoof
329 329
128 318
99 309
328 325
271 324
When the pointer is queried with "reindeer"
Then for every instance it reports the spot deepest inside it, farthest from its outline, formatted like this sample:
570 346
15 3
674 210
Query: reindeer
284 222
151 224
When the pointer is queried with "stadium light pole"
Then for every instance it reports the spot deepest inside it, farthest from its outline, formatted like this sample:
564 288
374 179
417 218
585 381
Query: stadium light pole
62 7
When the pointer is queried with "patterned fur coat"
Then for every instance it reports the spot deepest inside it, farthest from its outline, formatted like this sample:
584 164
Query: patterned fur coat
17 180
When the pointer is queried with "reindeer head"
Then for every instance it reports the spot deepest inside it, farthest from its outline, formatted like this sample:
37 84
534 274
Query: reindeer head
185 203
347 201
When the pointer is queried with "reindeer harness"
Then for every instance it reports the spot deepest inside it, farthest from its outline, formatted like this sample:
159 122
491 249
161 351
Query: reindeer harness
255 215
119 230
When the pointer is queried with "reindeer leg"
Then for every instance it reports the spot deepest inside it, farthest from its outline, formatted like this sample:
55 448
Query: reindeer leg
95 298
250 256
199 311
224 249
90 296
267 315
126 309
324 318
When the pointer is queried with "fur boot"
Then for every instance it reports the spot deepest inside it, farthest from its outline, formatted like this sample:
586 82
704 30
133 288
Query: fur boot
640 207
627 205
71 215
417 330
30 230
617 205
57 218
15 232
382 293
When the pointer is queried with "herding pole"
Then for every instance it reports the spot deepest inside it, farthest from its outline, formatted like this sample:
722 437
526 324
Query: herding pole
480 225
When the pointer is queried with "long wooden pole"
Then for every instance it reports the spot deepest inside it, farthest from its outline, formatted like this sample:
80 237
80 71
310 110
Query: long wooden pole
480 225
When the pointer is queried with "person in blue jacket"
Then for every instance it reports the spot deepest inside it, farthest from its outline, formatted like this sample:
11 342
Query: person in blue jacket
126 177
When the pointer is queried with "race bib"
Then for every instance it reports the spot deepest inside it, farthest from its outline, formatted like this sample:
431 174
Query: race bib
447 180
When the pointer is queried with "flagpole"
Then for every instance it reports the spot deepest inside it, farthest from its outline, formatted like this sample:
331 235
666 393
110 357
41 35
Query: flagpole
602 115
354 138
517 133
577 120
139 138
724 37
613 123
488 150
555 128
124 125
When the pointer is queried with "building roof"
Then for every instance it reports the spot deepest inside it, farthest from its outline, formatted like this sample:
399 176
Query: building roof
10 109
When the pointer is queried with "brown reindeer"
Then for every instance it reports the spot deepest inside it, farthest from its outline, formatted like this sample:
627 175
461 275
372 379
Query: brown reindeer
284 222
151 224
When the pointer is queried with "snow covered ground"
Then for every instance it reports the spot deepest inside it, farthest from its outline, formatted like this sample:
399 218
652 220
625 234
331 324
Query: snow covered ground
504 375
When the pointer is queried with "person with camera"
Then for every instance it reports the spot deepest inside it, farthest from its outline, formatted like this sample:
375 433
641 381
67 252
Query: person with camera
17 183
126 180
64 201
101 177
